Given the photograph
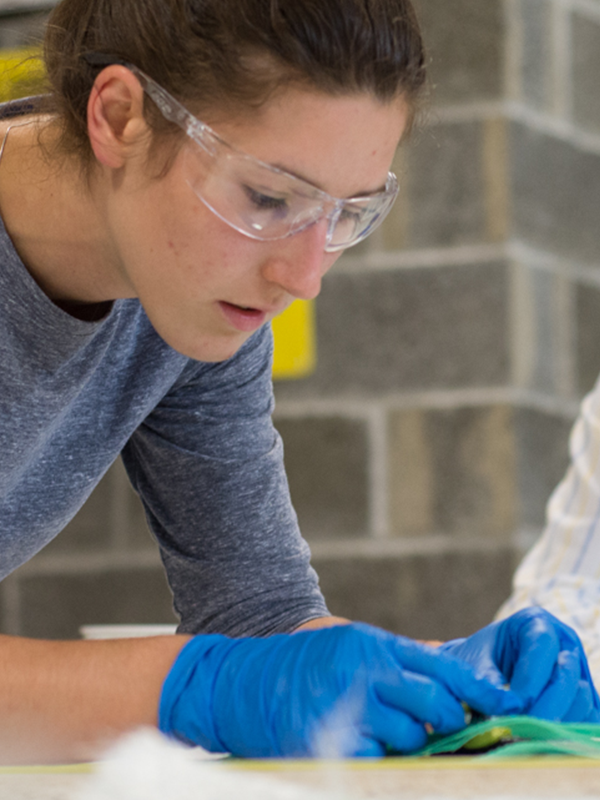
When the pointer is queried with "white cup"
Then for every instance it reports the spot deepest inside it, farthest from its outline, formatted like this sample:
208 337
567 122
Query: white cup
125 631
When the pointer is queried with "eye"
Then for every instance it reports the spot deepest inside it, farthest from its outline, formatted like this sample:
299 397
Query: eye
350 216
265 202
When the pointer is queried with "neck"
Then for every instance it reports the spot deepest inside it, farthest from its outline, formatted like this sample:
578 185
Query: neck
54 219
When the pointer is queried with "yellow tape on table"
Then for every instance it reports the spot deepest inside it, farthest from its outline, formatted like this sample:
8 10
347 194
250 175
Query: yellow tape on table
396 763
400 763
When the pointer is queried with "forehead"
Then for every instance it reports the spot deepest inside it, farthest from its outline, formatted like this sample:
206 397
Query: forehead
342 144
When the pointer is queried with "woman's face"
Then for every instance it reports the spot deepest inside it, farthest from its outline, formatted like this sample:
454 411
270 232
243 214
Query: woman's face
207 287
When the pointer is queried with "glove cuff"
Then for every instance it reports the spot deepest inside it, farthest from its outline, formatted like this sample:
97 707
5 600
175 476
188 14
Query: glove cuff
448 647
186 703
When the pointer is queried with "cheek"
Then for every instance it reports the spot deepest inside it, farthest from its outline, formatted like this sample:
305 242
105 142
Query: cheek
181 232
201 249
195 246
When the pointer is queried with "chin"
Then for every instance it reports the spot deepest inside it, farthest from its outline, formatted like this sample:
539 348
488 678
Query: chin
209 349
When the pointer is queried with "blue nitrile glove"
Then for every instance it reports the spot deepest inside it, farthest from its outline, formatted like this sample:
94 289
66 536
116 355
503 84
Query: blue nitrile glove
542 660
348 690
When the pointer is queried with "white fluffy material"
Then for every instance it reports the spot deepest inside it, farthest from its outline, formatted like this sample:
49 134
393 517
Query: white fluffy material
147 766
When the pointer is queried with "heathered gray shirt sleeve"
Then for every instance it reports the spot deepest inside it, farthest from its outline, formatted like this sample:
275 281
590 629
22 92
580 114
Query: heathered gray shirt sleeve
208 465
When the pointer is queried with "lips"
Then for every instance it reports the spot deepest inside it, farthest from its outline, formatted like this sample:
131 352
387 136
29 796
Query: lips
241 318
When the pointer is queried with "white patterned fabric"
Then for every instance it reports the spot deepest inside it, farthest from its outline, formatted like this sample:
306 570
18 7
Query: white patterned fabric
561 573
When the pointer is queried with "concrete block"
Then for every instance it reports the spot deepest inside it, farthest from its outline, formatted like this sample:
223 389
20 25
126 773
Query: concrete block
542 330
485 470
22 30
327 465
427 596
55 606
431 328
465 41
446 186
585 49
452 470
542 457
587 321
555 194
544 315
535 22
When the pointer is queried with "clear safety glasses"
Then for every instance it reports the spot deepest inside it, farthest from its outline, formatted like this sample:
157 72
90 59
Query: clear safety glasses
257 199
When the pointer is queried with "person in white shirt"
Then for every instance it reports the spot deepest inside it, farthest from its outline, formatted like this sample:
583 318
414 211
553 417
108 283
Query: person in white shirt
561 573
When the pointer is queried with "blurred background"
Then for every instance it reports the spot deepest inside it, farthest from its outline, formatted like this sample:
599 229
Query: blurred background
453 348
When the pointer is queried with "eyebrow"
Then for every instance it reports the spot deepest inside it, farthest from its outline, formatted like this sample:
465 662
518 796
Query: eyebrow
365 193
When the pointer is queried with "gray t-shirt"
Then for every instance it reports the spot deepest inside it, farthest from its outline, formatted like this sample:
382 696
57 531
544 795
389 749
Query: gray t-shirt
197 441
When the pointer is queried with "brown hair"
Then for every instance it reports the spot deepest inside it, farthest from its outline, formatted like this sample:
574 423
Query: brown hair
232 54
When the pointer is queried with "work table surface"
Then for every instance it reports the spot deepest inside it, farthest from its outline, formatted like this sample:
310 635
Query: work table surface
444 777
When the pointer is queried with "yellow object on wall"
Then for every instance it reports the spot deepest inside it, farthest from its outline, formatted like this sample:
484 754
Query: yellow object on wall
295 345
22 74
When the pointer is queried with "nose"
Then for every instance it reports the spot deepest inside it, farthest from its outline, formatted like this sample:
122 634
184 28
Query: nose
298 262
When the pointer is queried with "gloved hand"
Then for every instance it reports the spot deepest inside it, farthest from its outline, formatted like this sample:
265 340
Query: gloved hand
353 685
540 658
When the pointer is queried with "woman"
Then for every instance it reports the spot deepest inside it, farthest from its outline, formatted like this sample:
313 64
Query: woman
196 167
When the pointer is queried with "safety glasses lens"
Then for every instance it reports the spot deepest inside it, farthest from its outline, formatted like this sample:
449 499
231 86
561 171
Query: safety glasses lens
267 204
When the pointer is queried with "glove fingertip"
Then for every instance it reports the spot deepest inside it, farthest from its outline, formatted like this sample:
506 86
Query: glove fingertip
511 703
497 702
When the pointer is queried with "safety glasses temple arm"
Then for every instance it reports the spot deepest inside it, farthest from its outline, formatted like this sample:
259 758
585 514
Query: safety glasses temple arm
168 105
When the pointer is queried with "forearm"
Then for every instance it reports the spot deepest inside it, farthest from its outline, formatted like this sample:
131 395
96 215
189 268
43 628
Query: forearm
63 701
66 701
322 622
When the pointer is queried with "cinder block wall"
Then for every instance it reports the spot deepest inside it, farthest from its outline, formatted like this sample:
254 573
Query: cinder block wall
453 348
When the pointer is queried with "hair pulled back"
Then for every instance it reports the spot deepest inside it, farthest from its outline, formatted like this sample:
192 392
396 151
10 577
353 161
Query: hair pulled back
232 54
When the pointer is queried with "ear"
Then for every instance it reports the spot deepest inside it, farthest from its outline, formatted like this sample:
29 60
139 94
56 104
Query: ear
115 115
